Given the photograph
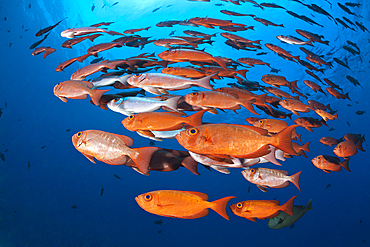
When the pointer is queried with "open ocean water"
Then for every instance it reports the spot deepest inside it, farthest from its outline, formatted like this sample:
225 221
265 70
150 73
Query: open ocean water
51 195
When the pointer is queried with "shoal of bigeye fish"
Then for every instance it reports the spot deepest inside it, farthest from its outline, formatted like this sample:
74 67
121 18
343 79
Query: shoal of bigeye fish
216 146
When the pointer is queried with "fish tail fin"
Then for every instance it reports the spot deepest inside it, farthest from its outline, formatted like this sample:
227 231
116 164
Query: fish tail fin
288 206
195 119
283 140
242 72
221 62
172 103
96 94
262 98
336 116
205 82
326 42
309 43
345 165
294 84
248 105
193 45
147 28
305 147
295 179
143 157
219 206
258 41
308 206
281 25
347 96
190 164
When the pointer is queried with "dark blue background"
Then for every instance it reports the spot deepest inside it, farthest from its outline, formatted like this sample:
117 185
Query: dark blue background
35 203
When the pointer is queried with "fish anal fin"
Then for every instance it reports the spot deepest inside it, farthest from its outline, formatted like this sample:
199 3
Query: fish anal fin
202 213
283 185
90 157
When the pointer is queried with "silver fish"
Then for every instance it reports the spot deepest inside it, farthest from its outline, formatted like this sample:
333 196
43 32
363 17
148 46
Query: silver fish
130 105
103 81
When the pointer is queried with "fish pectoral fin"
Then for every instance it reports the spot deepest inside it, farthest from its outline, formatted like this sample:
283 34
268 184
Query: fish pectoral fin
137 170
164 205
152 90
64 99
146 133
251 218
89 157
262 188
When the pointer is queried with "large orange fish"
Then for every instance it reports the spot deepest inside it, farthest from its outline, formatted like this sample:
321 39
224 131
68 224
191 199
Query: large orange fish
145 123
186 55
345 149
111 148
294 106
274 126
277 81
48 50
261 209
181 204
74 89
228 140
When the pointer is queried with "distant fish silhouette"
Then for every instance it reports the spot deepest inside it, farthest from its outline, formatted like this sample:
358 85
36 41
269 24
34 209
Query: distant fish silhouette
93 7
115 3
158 222
74 206
116 176
360 112
68 130
28 164
292 226
2 156
101 191
328 186
43 147
154 10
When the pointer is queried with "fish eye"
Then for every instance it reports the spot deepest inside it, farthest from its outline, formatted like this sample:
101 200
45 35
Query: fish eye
131 117
136 75
193 131
261 121
319 158
79 134
116 99
239 205
193 94
148 197
253 170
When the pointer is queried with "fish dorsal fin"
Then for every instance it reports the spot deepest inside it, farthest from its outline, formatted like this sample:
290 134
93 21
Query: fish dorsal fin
127 140
273 201
200 194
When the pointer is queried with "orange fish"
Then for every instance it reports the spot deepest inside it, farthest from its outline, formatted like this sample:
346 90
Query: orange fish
309 123
355 139
337 94
65 64
280 50
48 50
70 42
132 31
330 164
228 140
312 36
210 22
82 73
186 55
273 178
326 115
184 71
267 22
74 89
72 32
274 126
277 81
330 141
313 86
252 61
261 209
294 106
345 149
111 148
214 99
181 204
146 122
102 47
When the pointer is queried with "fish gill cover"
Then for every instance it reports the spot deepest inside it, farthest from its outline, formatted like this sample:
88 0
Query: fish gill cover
202 73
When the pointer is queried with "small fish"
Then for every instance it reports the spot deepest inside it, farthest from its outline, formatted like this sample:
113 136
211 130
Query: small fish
249 189
328 186
159 231
172 33
360 112
115 3
353 81
154 10
101 191
43 147
348 124
68 130
2 156
331 128
29 165
103 6
262 53
4 18
361 221
116 176
219 4
1 112
292 226
151 143
169 5
74 206
93 7
275 70
29 6
158 222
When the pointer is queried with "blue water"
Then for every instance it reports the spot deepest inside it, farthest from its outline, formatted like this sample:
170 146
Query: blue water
35 201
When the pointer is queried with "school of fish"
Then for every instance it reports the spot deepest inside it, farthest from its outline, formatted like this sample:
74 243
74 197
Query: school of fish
147 90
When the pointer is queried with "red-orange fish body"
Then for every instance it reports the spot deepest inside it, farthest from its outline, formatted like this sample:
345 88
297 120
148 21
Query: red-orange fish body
329 163
345 149
261 209
181 204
